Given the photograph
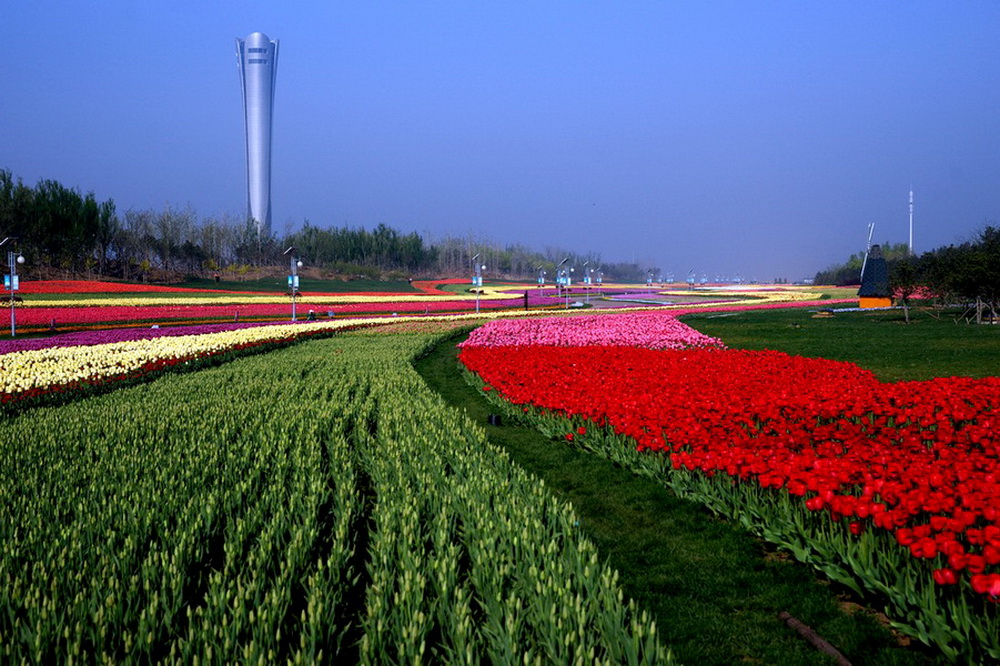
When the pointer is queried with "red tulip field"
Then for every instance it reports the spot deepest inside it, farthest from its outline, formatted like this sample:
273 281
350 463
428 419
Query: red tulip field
892 489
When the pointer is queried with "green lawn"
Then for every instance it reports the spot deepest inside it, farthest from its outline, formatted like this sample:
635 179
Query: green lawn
879 340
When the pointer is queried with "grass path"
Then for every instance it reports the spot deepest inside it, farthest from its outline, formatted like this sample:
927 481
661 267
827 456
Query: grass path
714 589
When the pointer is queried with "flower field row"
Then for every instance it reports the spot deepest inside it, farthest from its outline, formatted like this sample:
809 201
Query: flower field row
37 366
258 512
38 317
769 304
35 371
100 287
107 336
128 304
653 330
229 298
62 316
908 473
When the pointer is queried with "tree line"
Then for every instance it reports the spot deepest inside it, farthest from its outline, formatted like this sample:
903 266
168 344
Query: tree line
60 230
967 274
849 273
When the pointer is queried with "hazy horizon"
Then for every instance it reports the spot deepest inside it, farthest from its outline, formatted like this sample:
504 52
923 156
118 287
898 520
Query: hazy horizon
757 139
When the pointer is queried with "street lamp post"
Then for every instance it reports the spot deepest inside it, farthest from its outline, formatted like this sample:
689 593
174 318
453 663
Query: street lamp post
541 277
11 280
294 264
477 279
569 281
560 275
566 280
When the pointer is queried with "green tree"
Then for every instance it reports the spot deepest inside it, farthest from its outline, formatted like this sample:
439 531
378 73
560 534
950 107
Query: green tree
967 275
904 282
106 233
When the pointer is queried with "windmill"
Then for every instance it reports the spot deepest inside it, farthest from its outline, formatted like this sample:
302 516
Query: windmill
868 248
874 290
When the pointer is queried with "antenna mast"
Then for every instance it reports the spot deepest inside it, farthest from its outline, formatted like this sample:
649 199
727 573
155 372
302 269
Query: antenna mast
911 220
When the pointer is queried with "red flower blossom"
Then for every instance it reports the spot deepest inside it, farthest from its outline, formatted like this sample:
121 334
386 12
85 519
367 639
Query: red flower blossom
945 577
986 584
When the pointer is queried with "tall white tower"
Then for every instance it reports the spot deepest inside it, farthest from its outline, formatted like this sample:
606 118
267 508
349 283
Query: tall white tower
257 58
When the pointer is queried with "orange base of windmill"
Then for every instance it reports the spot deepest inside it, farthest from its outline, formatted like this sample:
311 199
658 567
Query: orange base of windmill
875 302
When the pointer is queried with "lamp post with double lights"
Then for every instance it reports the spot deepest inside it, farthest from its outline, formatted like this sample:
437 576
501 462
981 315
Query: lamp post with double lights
294 264
564 278
599 280
11 279
541 277
477 279
560 276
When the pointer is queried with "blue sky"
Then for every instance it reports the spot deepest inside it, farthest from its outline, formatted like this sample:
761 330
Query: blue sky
750 138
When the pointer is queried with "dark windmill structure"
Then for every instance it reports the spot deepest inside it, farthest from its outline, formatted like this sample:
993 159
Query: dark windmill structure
874 291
